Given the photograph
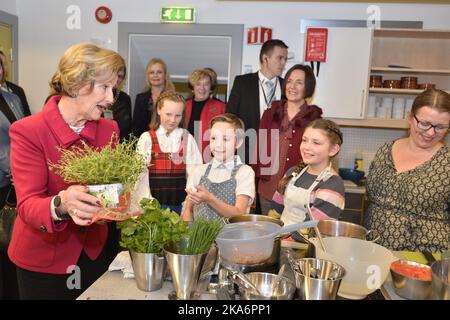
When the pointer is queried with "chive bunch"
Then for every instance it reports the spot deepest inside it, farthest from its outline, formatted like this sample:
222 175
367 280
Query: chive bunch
202 235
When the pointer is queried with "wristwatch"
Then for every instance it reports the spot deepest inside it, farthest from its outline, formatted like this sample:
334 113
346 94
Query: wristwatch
57 205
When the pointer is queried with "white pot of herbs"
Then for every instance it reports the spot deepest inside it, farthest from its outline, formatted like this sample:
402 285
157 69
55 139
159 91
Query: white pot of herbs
110 173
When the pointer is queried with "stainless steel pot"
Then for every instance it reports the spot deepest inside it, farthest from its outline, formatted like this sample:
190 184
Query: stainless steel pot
275 257
336 228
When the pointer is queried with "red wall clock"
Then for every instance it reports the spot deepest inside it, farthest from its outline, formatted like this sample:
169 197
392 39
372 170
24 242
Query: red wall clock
103 14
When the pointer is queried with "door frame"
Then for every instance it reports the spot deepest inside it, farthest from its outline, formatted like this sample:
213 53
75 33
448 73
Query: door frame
234 31
13 21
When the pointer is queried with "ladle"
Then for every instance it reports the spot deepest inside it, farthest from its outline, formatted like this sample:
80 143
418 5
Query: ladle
316 229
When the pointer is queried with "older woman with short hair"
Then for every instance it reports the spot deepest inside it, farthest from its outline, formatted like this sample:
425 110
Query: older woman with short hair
201 108
53 234
408 184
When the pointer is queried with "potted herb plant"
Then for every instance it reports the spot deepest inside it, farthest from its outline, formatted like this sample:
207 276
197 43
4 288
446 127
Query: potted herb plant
145 237
110 173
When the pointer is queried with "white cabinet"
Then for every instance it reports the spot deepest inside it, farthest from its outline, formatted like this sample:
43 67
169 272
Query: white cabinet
421 53
341 88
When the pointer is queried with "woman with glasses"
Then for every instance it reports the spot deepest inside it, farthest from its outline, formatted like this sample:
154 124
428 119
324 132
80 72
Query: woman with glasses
408 185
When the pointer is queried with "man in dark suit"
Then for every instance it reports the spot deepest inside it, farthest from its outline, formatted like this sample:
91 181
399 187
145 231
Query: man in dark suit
254 92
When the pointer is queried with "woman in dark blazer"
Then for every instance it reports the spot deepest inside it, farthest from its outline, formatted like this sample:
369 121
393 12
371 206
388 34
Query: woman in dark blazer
157 79
58 251
288 118
13 107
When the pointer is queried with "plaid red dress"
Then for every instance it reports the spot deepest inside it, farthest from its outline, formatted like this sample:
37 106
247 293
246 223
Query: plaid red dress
167 173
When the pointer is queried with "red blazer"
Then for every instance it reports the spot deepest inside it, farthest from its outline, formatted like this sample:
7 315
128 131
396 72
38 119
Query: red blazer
271 119
38 243
211 109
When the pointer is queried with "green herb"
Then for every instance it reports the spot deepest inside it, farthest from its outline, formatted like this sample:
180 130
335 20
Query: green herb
113 163
202 235
149 232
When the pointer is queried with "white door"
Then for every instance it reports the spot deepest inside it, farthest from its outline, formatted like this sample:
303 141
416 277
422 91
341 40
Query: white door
341 88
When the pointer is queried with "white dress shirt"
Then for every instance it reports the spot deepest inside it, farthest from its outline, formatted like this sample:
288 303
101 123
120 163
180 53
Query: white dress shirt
220 172
262 100
168 143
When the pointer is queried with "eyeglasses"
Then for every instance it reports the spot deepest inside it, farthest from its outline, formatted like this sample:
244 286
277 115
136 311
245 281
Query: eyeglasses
425 126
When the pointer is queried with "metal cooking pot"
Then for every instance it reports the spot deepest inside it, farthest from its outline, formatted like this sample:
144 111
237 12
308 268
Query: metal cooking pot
275 257
336 228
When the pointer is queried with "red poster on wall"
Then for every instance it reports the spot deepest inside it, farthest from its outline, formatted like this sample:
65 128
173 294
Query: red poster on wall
316 44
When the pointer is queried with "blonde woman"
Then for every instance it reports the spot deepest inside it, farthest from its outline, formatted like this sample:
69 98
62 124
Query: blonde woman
157 80
53 231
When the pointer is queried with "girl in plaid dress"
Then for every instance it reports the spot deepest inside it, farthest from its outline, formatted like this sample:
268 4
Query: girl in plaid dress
170 151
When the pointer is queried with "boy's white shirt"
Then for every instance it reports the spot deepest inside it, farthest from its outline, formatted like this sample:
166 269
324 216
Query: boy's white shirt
221 172
168 143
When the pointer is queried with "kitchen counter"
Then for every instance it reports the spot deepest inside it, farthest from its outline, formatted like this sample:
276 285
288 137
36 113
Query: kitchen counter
113 286
351 187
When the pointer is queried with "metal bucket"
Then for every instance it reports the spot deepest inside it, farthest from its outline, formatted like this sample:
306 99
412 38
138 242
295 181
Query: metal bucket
440 279
184 269
275 256
149 269
317 279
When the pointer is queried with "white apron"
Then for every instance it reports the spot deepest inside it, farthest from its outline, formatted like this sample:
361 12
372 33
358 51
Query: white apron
297 199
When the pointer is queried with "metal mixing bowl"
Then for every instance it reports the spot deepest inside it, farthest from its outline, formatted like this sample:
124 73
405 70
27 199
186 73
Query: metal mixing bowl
265 283
335 228
409 287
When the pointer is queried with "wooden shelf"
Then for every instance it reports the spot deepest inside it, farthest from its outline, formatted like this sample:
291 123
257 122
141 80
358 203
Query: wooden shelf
398 91
410 70
372 123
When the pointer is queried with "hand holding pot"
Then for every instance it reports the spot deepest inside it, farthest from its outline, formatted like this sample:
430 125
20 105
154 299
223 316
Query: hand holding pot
80 205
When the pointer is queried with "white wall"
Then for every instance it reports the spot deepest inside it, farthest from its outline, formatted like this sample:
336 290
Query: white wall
43 35
9 6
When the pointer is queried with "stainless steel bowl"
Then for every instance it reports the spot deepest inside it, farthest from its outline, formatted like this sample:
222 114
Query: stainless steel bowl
265 283
408 287
440 273
335 228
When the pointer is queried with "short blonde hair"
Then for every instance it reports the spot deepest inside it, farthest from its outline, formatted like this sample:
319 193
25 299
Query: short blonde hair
199 74
168 85
168 95
83 64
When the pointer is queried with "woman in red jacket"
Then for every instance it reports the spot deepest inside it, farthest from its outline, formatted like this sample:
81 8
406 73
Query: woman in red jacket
57 250
202 108
281 130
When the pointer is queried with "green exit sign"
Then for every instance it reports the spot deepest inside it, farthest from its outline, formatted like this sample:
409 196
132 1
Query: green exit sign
178 15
